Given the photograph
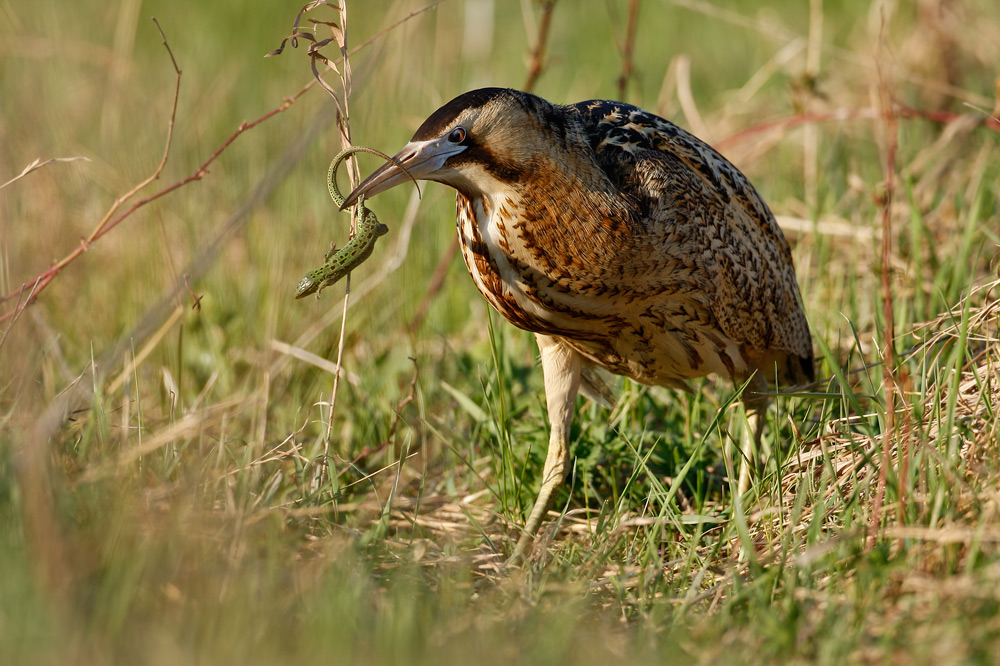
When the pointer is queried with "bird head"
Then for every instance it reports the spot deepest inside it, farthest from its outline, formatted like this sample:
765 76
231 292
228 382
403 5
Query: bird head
476 143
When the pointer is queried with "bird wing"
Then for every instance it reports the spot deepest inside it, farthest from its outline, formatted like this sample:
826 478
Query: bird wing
696 211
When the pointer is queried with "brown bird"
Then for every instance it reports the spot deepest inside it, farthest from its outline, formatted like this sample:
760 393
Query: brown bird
620 240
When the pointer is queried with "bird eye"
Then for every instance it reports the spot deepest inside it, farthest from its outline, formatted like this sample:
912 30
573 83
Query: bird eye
457 135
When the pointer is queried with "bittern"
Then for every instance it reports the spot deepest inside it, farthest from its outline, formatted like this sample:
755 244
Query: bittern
620 240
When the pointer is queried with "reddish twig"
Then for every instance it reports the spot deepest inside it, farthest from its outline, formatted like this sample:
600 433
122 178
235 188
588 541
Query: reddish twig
17 310
898 112
110 220
888 350
628 47
538 53
434 286
195 298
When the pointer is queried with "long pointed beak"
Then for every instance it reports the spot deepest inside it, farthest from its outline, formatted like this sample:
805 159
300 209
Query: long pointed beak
417 160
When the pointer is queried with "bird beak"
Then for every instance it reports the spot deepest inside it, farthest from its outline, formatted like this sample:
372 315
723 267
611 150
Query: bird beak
417 160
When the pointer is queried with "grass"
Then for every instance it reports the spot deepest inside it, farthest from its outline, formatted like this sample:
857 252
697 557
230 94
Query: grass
204 502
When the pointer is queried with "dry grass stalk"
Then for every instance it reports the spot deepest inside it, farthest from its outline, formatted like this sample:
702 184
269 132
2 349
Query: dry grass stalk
38 164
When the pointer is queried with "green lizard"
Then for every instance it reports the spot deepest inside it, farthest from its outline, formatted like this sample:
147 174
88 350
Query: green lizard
338 263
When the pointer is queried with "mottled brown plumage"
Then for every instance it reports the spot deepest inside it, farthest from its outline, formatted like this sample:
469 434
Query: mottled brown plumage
620 240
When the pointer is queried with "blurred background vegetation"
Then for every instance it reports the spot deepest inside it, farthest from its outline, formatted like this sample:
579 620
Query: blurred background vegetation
175 487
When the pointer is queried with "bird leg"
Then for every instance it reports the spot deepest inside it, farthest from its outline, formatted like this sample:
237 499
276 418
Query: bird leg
751 446
561 367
